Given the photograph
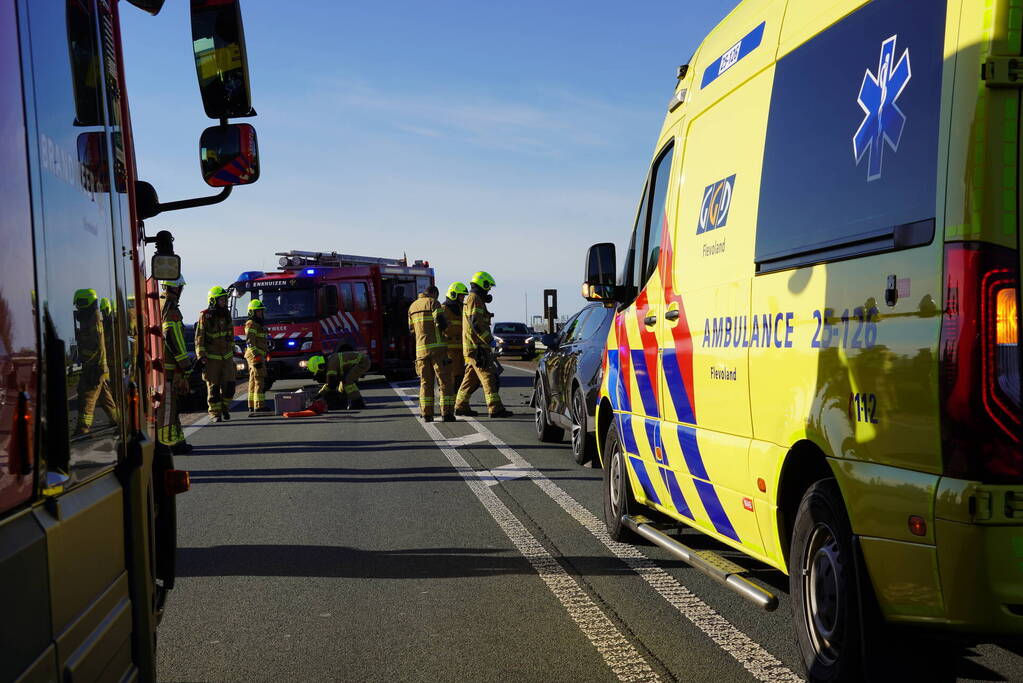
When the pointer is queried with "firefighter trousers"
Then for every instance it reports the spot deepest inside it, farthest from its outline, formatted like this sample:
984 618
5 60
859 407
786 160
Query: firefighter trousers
350 377
219 375
93 391
168 423
476 376
432 370
257 385
456 371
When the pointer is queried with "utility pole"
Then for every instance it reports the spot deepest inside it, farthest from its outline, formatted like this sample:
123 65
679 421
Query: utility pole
550 309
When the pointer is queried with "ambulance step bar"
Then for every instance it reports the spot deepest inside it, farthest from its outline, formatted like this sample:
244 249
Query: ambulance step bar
713 565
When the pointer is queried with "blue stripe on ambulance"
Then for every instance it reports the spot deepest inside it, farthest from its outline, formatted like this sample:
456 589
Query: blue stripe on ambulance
646 389
701 480
628 437
677 499
644 480
676 387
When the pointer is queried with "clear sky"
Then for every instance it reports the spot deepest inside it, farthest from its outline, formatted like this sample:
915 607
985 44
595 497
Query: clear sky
505 137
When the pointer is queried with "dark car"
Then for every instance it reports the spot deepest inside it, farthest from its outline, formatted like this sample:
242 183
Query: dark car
514 338
568 380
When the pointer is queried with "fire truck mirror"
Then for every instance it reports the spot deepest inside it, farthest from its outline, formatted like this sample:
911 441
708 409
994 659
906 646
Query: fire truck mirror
166 266
228 155
218 42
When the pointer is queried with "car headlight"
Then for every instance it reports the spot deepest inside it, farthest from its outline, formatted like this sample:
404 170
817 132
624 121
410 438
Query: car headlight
498 340
306 346
529 340
240 366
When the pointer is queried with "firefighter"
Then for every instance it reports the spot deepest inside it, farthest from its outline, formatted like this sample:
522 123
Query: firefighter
451 313
343 368
107 313
176 369
214 350
425 321
479 358
94 377
256 352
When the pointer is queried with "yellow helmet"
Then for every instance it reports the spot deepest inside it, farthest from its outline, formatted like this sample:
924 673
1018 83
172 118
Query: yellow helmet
177 282
256 305
215 293
315 363
457 288
105 306
484 280
85 298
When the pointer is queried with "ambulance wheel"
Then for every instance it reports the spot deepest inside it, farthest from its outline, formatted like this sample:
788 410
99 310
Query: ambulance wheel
826 600
617 494
582 442
545 431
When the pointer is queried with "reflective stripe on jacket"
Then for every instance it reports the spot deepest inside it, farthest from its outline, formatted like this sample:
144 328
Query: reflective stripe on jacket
424 320
475 324
256 344
214 335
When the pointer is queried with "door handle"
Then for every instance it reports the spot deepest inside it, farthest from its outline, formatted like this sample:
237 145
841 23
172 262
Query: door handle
672 314
650 320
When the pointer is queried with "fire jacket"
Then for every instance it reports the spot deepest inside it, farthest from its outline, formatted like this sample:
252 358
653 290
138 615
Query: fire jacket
256 341
92 351
451 313
175 353
475 324
214 335
338 365
424 321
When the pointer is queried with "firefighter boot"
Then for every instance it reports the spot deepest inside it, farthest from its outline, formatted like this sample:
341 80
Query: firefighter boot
181 448
356 403
449 418
501 412
427 418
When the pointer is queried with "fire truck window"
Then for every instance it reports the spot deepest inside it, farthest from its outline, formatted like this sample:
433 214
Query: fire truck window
288 304
347 302
75 235
328 300
361 297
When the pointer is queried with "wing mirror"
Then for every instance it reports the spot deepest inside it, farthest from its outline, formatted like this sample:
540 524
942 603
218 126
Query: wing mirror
228 155
599 278
218 41
166 266
550 341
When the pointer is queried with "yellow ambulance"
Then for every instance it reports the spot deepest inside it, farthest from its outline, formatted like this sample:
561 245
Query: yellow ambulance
815 357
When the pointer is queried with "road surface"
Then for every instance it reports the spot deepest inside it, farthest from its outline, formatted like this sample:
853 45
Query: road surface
368 546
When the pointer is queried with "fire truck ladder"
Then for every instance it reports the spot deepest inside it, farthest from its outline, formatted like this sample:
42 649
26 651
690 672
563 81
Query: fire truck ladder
303 259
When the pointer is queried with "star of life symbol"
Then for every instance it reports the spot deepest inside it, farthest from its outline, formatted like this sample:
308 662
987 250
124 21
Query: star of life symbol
883 122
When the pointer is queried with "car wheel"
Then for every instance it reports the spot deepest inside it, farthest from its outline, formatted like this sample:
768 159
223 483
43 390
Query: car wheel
617 493
545 431
582 442
826 602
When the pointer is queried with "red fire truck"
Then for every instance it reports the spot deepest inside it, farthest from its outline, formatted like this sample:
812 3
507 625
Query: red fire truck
321 300
87 517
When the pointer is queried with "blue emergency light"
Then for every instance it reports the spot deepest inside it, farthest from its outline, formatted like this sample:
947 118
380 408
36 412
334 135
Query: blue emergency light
292 342
310 271
251 275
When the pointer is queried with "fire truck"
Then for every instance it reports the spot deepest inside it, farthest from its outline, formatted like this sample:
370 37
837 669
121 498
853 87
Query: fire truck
87 516
321 300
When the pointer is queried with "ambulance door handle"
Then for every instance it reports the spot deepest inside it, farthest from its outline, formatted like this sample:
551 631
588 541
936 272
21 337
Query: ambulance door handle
672 314
650 320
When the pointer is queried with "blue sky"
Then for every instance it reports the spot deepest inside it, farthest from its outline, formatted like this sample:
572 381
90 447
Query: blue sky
506 137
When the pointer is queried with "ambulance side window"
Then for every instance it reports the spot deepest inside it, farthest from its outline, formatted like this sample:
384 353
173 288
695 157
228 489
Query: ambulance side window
361 297
659 177
347 303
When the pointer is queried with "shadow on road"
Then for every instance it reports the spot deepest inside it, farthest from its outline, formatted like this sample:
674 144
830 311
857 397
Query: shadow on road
356 563
347 475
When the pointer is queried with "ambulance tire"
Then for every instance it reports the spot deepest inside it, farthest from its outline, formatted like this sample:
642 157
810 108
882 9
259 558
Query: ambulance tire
828 610
545 431
618 499
582 442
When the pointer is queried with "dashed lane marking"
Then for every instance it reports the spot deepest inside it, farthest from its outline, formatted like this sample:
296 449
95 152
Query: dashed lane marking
751 655
618 653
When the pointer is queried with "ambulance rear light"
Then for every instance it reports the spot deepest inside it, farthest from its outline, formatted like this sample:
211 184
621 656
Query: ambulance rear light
982 417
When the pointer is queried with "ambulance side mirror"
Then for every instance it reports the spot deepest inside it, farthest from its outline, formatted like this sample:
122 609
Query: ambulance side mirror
218 42
599 278
229 155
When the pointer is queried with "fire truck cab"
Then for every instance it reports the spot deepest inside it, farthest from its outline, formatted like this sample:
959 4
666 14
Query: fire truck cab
319 301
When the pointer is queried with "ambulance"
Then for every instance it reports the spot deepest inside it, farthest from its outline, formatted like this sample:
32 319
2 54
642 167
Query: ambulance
815 355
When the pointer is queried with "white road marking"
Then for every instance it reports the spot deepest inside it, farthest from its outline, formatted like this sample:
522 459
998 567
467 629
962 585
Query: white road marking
753 657
507 472
618 653
466 440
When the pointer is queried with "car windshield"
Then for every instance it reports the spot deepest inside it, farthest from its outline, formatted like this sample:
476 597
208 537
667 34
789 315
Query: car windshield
510 328
281 304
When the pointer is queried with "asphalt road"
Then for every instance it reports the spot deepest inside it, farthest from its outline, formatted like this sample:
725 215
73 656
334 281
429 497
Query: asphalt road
367 546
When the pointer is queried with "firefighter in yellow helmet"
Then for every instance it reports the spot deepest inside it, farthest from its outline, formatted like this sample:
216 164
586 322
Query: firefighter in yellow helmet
479 358
176 368
256 353
340 369
451 315
431 353
94 377
214 350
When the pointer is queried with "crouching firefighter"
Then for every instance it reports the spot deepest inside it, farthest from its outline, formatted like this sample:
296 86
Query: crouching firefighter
176 369
343 368
431 353
479 358
214 350
451 331
256 352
